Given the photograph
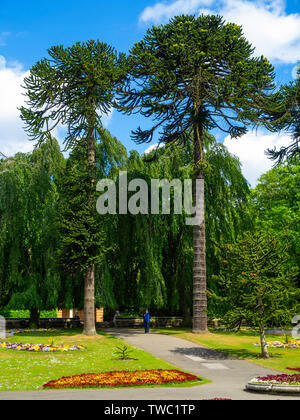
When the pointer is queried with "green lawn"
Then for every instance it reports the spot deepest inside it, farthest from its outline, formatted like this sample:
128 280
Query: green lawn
29 371
241 345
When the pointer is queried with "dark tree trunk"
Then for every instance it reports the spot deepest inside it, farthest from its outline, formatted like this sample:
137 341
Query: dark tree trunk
34 320
199 275
89 280
187 317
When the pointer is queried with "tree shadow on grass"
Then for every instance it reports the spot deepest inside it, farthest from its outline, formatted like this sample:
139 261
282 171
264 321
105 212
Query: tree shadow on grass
243 354
223 354
204 353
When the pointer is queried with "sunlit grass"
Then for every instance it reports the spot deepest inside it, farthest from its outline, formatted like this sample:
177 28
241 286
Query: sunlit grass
29 371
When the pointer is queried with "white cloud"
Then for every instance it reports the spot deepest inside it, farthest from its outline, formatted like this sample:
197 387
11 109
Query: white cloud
250 149
153 147
13 138
107 118
266 23
268 27
164 11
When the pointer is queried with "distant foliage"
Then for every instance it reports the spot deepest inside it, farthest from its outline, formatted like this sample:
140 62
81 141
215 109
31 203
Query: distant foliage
257 283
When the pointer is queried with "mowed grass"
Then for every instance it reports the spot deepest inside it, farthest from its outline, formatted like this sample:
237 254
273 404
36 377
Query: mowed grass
241 345
29 371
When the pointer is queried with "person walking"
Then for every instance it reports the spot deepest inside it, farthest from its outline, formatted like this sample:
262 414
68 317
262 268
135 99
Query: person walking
147 318
117 314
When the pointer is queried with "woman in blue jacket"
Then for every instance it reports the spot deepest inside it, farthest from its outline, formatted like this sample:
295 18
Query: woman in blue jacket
147 318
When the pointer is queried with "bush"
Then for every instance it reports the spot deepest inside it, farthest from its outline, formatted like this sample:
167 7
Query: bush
26 314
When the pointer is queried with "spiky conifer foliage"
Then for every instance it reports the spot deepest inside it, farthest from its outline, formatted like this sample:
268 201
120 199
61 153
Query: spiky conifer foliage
258 283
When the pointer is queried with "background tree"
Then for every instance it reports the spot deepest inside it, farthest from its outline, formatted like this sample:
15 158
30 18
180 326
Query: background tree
29 274
74 88
275 206
287 117
257 283
191 75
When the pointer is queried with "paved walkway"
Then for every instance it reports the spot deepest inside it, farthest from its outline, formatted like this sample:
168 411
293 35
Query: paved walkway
228 375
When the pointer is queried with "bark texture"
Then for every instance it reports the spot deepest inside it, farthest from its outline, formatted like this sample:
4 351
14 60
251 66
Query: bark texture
89 280
199 273
263 341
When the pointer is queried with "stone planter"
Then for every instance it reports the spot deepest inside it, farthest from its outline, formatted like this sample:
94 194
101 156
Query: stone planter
273 388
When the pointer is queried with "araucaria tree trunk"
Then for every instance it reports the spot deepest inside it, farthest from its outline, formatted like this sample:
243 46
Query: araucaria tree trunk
263 341
89 302
89 280
199 274
264 344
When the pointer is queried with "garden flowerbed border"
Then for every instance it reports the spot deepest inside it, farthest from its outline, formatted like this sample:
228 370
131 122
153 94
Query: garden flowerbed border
40 348
126 382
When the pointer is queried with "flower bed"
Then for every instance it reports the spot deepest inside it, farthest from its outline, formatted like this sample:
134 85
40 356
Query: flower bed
283 379
122 378
11 333
295 369
293 344
39 347
287 384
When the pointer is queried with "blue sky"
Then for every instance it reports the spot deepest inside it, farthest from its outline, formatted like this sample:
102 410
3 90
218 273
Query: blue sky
28 29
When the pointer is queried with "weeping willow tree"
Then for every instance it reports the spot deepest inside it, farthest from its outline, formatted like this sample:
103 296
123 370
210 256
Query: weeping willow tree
134 261
151 264
29 276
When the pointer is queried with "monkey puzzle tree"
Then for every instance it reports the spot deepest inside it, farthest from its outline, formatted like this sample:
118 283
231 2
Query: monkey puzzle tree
74 88
258 283
191 75
287 117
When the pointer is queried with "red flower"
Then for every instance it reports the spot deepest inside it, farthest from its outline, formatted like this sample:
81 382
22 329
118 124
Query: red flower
122 378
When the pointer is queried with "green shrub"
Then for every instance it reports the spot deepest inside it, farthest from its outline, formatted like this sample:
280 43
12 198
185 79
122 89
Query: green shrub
26 314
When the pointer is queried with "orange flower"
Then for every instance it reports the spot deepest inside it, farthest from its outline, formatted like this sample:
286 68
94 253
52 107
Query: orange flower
122 378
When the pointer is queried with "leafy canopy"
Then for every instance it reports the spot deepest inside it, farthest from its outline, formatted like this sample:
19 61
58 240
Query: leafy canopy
156 270
29 276
257 281
275 205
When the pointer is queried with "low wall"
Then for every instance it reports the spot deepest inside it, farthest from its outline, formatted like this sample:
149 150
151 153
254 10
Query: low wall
159 322
12 324
60 323
155 322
